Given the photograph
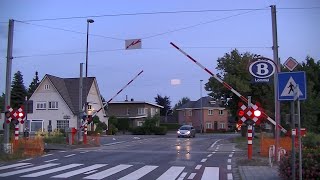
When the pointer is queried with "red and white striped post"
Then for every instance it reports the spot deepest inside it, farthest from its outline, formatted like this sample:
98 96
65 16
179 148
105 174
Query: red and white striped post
227 86
249 142
16 132
85 132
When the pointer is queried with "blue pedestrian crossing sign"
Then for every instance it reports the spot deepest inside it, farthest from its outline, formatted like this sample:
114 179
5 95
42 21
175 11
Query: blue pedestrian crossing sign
287 83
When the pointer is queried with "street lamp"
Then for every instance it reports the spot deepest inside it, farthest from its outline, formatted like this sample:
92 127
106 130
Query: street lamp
88 22
201 112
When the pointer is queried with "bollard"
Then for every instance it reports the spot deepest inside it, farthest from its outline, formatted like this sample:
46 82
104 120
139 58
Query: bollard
249 142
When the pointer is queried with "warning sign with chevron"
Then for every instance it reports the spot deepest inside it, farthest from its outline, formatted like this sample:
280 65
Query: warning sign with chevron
287 85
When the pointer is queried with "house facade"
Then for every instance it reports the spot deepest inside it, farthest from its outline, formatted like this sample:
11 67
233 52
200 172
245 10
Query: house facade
135 111
55 103
211 114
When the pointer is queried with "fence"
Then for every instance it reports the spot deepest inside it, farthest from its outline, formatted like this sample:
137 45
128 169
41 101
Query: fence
28 146
266 142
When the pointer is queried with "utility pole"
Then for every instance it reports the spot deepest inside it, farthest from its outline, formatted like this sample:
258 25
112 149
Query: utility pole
293 126
276 61
6 144
80 104
201 111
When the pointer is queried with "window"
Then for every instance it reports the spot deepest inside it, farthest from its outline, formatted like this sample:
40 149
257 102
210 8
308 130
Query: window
210 112
184 113
53 105
47 87
89 107
36 125
222 125
141 111
41 105
153 111
139 123
190 113
209 125
62 124
220 112
128 111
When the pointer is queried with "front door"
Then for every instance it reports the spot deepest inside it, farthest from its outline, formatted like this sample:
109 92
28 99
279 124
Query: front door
215 125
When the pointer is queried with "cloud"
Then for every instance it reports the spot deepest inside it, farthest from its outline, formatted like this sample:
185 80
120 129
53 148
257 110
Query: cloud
175 82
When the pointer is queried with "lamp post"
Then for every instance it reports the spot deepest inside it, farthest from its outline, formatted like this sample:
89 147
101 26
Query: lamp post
201 111
88 22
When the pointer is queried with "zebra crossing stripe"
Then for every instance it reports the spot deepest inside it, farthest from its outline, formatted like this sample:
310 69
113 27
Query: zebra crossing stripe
13 165
108 172
49 171
27 170
210 173
139 173
171 173
79 171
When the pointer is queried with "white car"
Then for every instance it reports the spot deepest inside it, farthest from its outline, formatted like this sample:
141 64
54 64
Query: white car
186 131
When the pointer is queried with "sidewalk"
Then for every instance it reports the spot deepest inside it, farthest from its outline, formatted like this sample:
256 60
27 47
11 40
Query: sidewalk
259 173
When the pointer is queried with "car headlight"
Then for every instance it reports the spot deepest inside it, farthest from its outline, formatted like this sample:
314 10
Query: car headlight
178 132
188 132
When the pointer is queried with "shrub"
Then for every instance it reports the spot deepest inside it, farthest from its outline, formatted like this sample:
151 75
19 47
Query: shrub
161 130
171 126
138 131
311 140
209 131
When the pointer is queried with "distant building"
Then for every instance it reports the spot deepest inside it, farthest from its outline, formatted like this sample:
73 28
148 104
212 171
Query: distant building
56 103
135 111
214 114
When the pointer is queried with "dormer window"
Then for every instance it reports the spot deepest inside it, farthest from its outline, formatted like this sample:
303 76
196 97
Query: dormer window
47 87
212 102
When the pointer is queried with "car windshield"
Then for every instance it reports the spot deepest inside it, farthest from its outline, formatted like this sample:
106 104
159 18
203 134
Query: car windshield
185 128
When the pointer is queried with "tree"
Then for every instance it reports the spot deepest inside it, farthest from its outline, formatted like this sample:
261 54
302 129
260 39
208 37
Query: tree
33 85
179 104
18 91
2 108
165 102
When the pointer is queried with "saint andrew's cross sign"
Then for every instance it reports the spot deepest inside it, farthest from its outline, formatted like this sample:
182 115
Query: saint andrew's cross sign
249 114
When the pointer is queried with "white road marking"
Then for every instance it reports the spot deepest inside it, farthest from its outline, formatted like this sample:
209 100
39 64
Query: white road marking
84 152
210 173
192 175
80 171
230 177
215 142
139 173
108 172
213 152
13 165
230 155
90 172
181 177
20 167
229 167
46 155
51 160
62 151
171 173
203 160
49 171
25 160
198 167
233 150
229 160
69 155
109 144
27 170
209 155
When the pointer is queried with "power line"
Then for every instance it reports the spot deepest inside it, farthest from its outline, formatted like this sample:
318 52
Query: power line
163 12
108 50
67 30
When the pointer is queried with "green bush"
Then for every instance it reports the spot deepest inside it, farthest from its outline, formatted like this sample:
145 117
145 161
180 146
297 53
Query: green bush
311 140
310 165
138 131
161 130
171 126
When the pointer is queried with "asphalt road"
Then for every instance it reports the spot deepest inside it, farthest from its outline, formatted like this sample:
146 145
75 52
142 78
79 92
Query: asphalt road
133 157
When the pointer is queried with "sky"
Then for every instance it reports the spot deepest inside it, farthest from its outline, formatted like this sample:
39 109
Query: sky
50 37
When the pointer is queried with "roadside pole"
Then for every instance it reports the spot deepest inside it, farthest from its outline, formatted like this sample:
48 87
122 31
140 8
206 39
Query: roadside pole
80 104
276 61
293 126
249 133
6 144
299 133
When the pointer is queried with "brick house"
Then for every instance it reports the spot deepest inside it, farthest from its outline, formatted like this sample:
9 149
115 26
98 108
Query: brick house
135 111
214 114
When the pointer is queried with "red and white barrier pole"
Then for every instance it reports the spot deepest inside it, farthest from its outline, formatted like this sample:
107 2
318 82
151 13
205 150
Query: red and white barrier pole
16 132
85 132
249 142
226 85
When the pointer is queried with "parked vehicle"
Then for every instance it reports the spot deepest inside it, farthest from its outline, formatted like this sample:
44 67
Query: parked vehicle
186 131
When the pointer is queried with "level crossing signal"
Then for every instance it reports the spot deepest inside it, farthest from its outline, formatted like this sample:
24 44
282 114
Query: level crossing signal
246 114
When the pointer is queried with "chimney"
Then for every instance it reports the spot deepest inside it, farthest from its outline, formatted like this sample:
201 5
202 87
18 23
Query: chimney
126 98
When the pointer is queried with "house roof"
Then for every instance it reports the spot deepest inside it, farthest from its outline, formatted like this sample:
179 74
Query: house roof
206 103
68 88
135 102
